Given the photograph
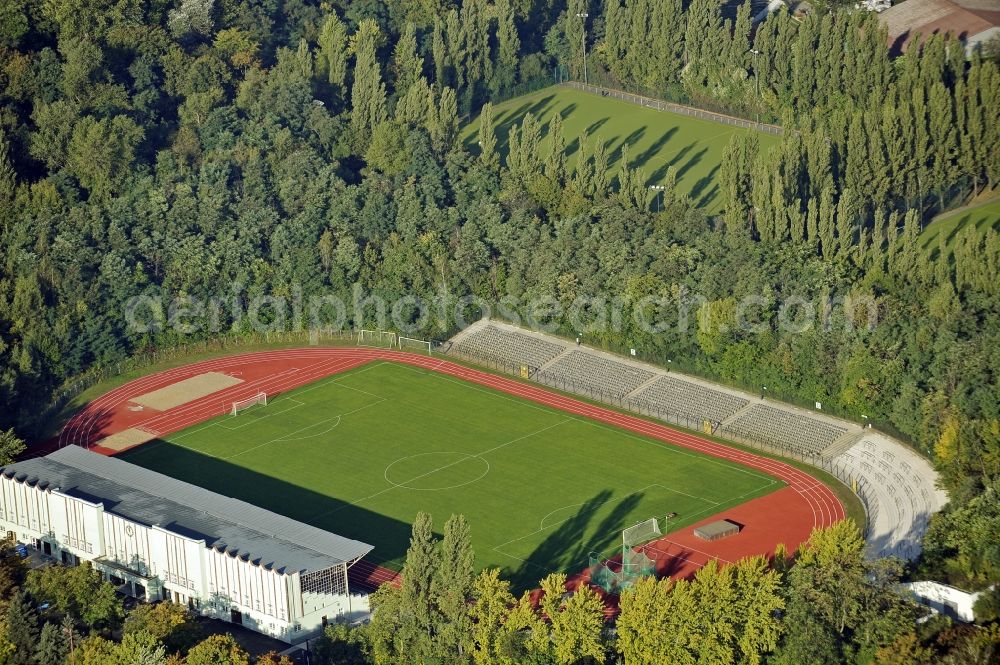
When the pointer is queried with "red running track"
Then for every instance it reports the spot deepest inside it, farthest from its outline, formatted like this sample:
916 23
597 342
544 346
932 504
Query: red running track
787 516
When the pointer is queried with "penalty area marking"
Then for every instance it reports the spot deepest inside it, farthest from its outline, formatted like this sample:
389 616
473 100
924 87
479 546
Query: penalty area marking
336 423
285 437
542 526
254 419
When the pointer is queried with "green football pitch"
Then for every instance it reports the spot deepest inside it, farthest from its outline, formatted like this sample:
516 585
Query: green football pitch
360 453
983 217
656 139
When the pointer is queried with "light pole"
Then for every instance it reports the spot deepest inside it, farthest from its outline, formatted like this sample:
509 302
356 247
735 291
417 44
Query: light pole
756 79
583 19
659 192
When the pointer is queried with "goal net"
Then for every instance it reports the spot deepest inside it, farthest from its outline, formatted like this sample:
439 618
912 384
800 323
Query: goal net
614 575
417 344
382 338
244 404
641 533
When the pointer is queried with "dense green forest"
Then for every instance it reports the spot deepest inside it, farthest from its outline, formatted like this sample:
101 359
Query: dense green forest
213 148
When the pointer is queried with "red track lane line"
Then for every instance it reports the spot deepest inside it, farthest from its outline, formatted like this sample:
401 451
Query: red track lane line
321 362
199 411
145 384
85 419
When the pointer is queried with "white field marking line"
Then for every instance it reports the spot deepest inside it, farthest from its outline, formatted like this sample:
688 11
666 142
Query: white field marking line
671 447
687 517
81 424
385 474
313 436
301 429
684 558
338 380
274 383
220 423
77 428
684 547
793 477
253 421
609 499
280 398
822 498
205 452
442 468
198 406
524 561
266 384
556 524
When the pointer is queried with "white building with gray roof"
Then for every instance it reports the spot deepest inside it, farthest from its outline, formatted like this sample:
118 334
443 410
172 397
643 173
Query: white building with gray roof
159 538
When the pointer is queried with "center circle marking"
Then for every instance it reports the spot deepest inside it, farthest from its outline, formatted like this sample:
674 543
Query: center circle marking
448 460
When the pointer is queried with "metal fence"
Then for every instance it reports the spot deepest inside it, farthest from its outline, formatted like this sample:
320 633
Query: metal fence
642 407
661 105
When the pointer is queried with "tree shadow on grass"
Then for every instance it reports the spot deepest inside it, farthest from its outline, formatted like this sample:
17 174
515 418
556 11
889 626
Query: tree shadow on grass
566 548
502 124
650 152
595 126
389 536
615 153
565 113
703 183
691 163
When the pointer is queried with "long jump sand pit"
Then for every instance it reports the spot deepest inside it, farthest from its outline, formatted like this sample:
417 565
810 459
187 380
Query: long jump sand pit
186 391
126 439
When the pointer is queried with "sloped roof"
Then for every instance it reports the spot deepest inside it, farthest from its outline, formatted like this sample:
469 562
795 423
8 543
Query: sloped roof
962 18
151 498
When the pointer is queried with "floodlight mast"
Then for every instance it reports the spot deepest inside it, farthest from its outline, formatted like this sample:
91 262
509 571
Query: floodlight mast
583 18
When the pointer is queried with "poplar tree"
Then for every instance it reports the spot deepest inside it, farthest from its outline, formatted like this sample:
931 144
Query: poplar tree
574 31
600 172
669 26
616 39
405 619
488 139
508 48
368 93
555 163
8 177
407 64
333 50
452 587
812 223
944 137
847 216
736 179
439 52
583 177
826 223
444 126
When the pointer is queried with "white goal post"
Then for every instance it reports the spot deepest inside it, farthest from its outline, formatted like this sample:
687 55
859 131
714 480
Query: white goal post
411 343
243 404
641 532
377 338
